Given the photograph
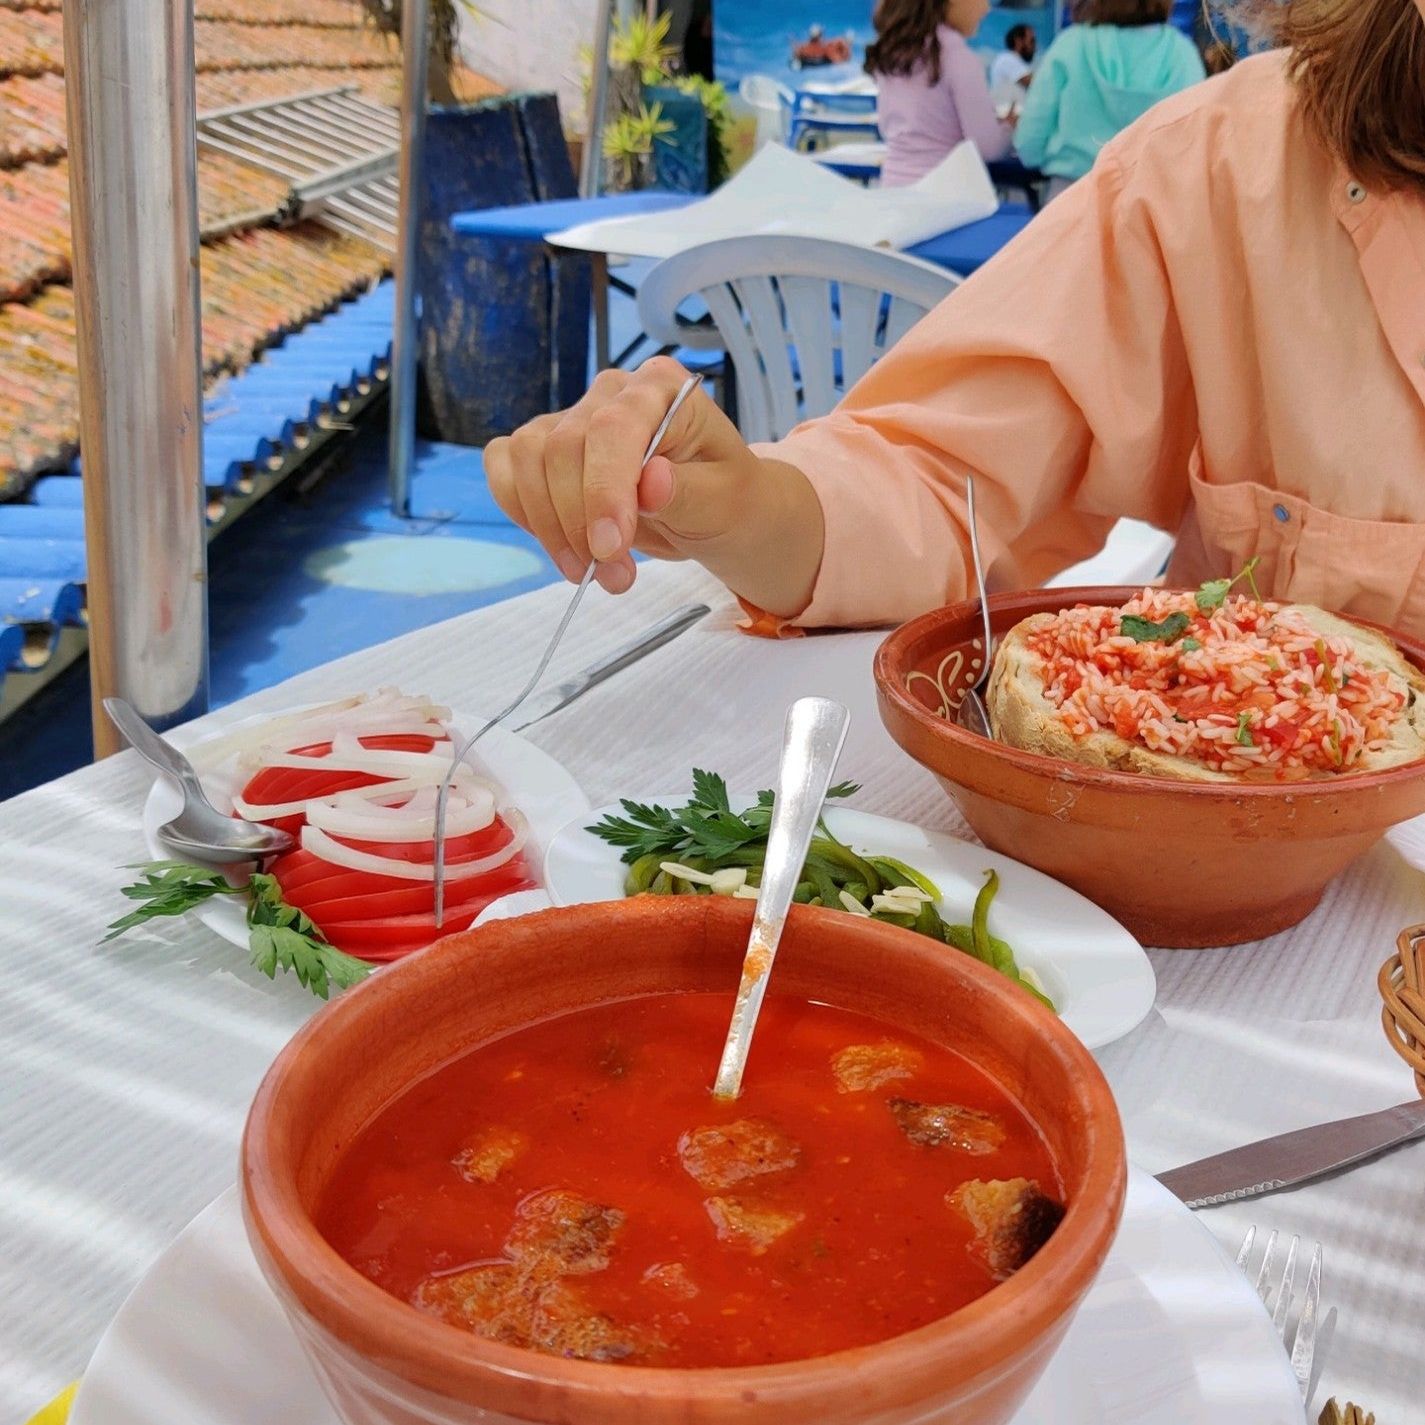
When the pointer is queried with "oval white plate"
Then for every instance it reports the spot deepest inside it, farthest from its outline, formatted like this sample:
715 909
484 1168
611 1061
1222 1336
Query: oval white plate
532 780
1094 970
1170 1334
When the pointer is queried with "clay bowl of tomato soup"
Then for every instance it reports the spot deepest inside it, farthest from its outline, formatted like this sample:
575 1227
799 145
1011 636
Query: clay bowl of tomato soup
1181 864
507 1146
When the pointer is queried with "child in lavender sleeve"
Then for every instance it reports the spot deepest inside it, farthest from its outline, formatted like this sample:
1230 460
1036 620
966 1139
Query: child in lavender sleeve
933 89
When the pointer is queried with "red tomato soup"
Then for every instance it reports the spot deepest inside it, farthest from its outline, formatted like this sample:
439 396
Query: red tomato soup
574 1187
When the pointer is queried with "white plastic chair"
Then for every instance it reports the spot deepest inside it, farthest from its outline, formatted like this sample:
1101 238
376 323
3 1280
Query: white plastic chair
771 103
802 319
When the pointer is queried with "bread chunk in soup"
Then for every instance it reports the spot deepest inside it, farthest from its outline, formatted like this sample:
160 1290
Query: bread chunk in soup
504 1301
488 1153
558 1232
859 1068
730 1153
750 1225
947 1125
1012 1220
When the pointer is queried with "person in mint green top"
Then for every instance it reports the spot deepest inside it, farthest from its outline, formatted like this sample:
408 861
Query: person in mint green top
1101 74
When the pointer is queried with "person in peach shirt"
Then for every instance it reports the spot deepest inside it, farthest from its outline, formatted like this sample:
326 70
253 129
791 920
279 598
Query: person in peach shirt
1226 339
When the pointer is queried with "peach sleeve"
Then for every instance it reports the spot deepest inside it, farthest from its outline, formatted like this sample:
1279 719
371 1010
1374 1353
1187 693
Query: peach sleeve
1057 375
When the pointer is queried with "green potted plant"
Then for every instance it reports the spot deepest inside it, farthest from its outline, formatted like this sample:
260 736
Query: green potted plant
628 146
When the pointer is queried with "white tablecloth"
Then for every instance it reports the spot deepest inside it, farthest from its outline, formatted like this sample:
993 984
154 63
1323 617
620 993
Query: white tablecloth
126 1069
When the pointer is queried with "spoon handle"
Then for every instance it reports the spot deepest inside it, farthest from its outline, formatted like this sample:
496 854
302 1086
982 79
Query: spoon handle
158 752
811 745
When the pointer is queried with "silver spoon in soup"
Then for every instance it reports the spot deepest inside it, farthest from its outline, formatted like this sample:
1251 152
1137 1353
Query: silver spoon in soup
811 744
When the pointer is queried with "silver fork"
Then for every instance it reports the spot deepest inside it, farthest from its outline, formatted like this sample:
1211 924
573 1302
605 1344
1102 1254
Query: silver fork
442 796
1277 1296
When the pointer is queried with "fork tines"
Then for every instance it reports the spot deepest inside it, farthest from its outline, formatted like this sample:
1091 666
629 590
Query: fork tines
1278 1296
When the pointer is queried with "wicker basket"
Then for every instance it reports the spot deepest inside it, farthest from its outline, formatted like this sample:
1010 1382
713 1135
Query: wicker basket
1402 987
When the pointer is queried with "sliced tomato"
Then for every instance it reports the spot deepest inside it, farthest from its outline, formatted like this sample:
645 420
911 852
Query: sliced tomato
293 784
301 869
470 847
331 909
378 937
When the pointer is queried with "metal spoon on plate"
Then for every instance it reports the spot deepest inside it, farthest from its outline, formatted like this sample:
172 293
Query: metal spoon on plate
199 830
972 714
811 744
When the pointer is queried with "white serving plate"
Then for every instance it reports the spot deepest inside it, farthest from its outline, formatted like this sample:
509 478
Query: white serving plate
532 780
1095 972
1170 1334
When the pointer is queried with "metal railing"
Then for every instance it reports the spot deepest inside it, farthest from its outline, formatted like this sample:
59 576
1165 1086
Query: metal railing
336 150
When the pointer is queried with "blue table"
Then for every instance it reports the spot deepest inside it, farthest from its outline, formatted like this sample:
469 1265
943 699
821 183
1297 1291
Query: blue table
970 247
535 222
962 251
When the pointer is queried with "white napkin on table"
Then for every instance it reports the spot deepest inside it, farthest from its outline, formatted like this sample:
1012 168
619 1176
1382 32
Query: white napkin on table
781 193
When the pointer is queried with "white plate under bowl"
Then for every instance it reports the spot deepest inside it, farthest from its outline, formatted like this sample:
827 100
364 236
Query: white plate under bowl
532 781
1170 1334
1093 969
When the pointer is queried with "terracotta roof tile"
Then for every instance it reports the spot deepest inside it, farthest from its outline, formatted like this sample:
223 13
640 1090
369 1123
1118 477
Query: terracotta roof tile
261 284
31 42
34 228
33 126
338 14
219 88
223 45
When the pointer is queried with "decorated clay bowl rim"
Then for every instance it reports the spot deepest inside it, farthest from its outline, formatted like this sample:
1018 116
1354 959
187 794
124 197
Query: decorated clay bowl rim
890 669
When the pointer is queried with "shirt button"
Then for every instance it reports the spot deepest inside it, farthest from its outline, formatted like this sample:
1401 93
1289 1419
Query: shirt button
1356 192
1280 511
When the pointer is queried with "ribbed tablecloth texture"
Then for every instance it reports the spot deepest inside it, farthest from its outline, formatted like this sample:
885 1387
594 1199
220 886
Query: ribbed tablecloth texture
126 1069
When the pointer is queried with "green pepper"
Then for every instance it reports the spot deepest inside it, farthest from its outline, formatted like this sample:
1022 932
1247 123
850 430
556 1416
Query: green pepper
826 888
641 873
928 922
897 873
829 849
980 918
1039 995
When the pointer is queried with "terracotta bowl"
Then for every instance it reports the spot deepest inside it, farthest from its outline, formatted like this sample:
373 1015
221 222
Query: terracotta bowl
382 1362
1181 864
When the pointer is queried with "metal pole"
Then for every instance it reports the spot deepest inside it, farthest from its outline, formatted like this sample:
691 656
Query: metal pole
415 68
593 164
134 204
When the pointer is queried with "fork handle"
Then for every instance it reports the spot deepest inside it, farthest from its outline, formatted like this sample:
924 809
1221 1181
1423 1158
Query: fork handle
155 750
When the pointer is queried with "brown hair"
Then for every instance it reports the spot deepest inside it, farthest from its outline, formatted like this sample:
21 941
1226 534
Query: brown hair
906 37
1127 13
1360 67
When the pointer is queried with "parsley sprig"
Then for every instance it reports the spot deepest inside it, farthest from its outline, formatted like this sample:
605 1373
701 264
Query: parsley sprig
279 935
1213 594
707 827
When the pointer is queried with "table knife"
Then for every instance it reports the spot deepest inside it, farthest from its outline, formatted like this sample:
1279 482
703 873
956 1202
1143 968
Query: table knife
562 694
1291 1159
